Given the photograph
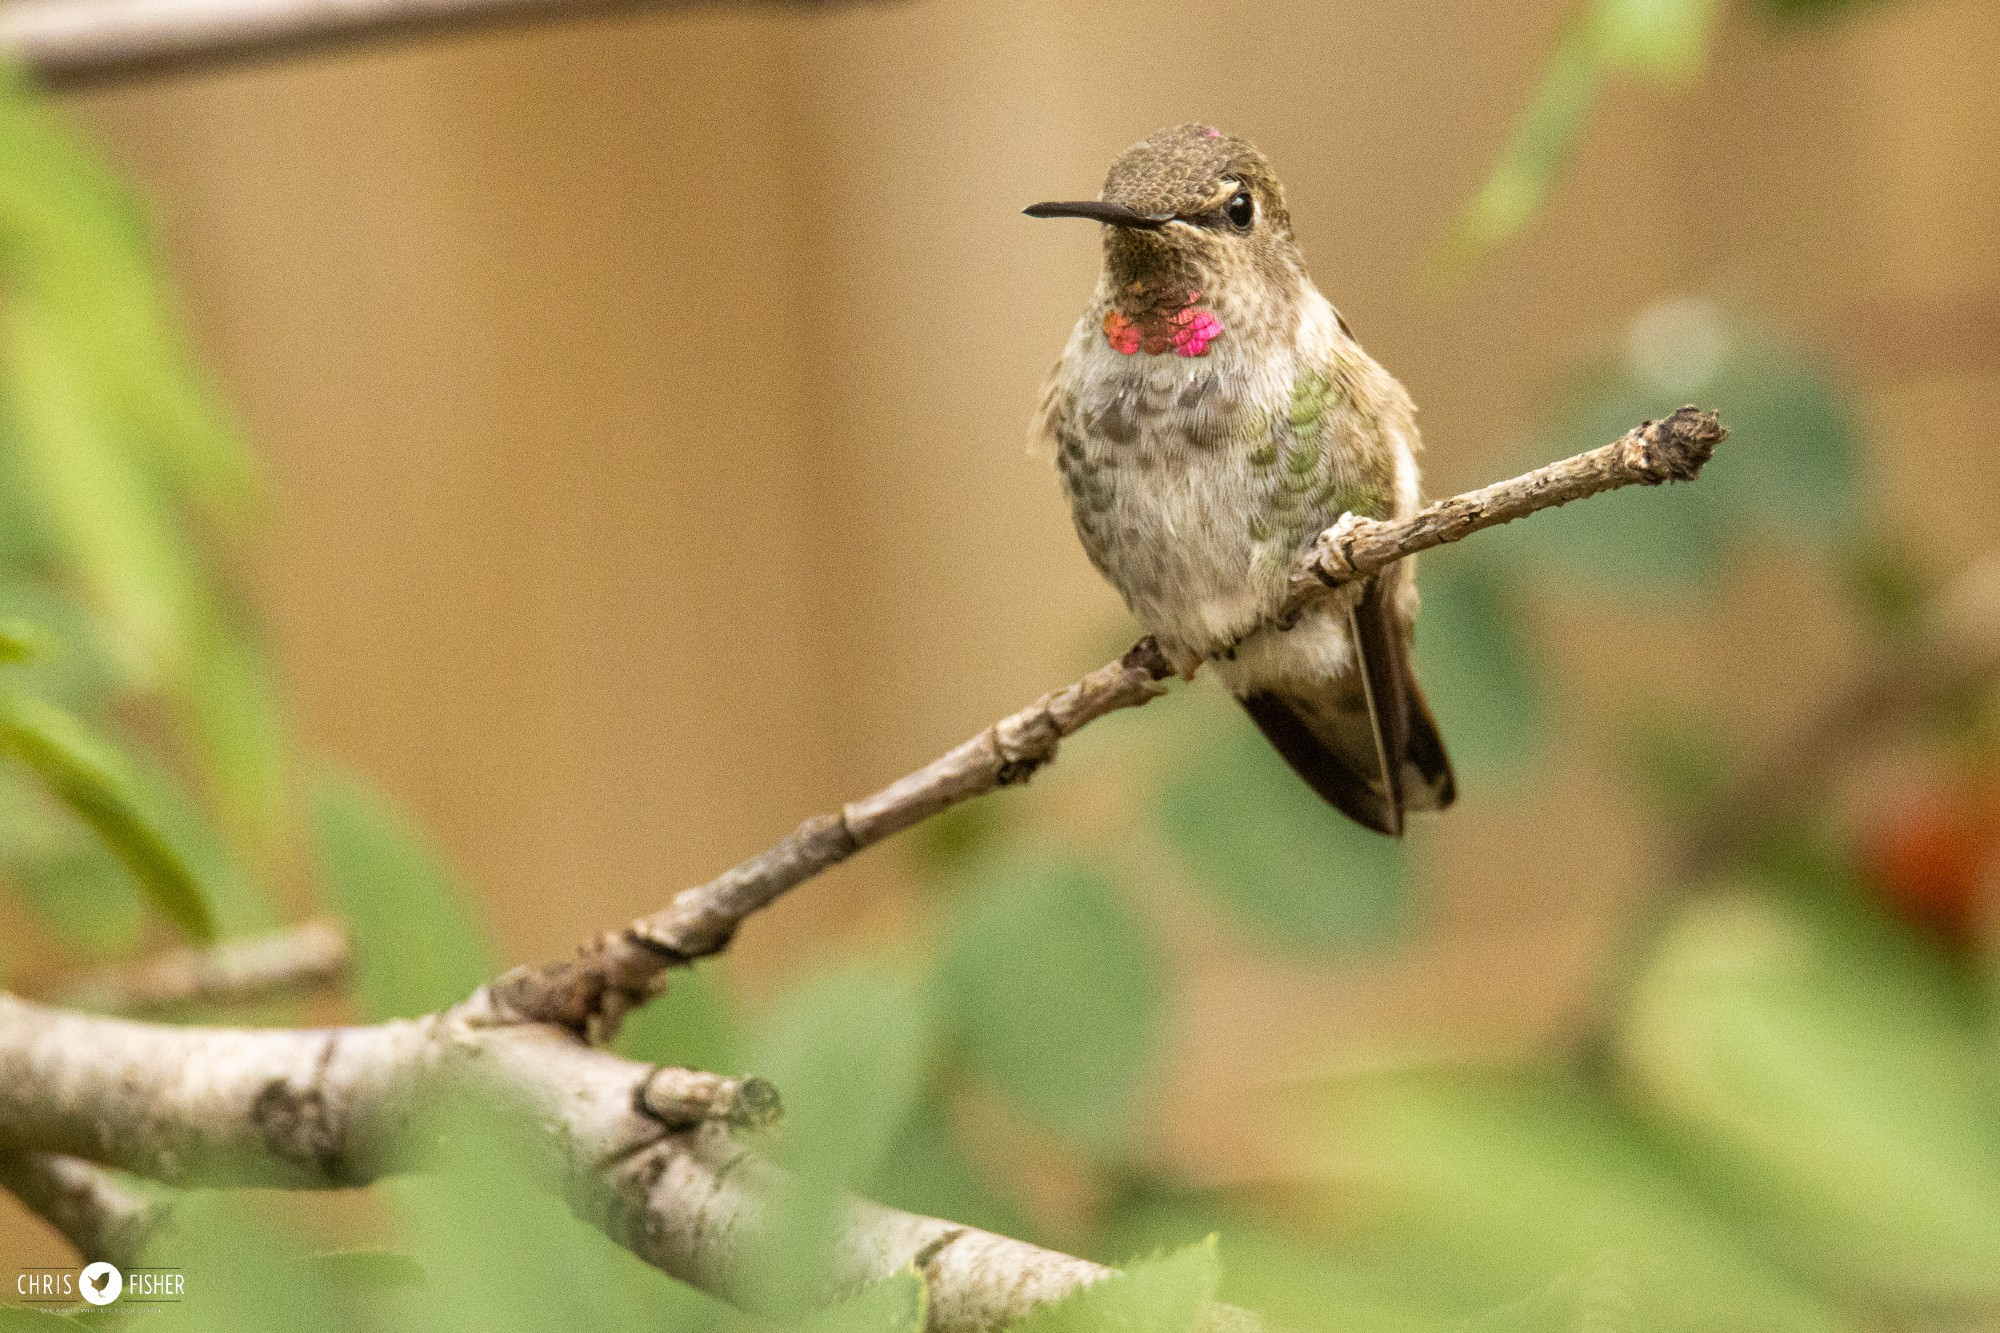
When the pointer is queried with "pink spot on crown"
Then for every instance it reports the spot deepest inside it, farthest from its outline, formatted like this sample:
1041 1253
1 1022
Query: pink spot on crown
1211 134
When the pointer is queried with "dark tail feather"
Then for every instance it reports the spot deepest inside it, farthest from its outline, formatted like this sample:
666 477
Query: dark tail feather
1428 783
1333 773
1371 750
1422 778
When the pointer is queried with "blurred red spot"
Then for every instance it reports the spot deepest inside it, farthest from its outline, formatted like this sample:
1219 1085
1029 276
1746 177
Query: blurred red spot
1933 855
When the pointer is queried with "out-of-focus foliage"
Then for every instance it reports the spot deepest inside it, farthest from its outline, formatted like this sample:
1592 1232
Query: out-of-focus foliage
895 1306
1525 1196
1827 1077
1661 42
1478 670
118 476
850 1050
1053 991
416 945
1789 474
1167 1294
1272 855
82 772
691 1026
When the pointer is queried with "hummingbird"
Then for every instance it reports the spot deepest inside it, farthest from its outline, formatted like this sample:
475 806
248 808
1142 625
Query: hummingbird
1211 414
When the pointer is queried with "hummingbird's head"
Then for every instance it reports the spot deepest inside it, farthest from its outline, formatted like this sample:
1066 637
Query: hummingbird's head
1192 207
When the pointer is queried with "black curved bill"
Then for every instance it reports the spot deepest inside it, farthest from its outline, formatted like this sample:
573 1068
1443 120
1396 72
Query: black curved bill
1116 215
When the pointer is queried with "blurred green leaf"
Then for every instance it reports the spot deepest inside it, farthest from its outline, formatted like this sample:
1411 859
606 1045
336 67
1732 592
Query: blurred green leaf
1816 9
1476 667
1541 143
238 904
1790 469
1476 1193
244 1271
88 776
31 823
75 239
116 524
1664 41
1792 461
692 1025
848 1052
380 1270
70 664
25 546
957 836
1677 763
1660 39
82 892
416 943
1639 541
24 1319
1291 1284
1885 582
500 1253
1054 992
893 1306
112 448
235 720
927 1170
1165 1295
1832 1089
1276 856
18 641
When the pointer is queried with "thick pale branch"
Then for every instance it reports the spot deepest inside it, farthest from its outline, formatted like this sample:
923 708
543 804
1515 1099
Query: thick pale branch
623 968
308 1109
100 1217
235 972
90 42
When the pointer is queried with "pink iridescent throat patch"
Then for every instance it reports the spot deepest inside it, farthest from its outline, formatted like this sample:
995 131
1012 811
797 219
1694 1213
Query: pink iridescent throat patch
1184 332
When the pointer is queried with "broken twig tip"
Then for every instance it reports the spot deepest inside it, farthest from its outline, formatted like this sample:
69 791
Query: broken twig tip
1677 447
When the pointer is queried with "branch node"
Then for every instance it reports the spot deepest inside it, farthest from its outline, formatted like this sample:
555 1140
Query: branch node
1673 449
1146 656
684 1098
299 1124
932 1248
1332 560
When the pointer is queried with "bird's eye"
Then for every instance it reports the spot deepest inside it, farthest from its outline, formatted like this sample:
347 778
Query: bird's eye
1242 210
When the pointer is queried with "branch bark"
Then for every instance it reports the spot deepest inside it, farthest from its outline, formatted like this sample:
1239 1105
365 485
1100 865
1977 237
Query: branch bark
621 969
75 43
235 972
640 1151
93 1211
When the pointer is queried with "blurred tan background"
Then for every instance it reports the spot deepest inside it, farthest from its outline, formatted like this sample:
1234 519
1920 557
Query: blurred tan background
644 404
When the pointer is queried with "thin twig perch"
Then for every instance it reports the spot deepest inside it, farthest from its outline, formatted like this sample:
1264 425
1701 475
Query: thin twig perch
622 969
